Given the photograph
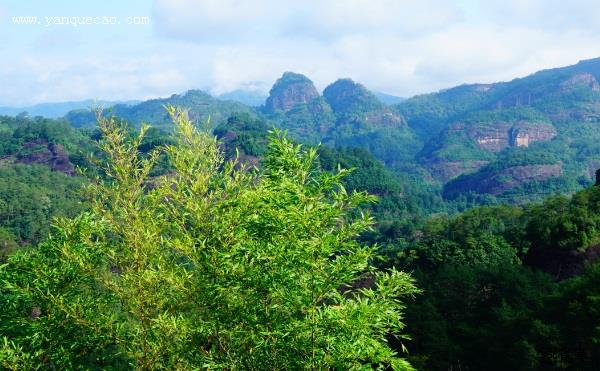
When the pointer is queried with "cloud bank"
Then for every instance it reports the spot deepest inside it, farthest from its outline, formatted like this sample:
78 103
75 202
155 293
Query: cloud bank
403 47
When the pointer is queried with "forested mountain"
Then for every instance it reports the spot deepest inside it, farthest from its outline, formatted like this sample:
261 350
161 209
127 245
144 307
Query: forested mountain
200 106
512 141
530 136
37 177
347 114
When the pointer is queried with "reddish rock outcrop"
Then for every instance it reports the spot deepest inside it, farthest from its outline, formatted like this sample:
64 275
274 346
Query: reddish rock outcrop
49 154
446 170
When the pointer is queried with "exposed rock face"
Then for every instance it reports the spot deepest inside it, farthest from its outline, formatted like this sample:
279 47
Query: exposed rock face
49 154
290 90
498 182
581 80
473 138
482 88
500 135
523 133
446 170
493 138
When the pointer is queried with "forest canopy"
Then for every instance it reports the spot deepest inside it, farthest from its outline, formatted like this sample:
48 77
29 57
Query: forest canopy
214 264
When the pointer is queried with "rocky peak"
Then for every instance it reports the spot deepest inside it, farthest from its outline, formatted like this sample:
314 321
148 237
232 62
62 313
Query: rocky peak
346 95
290 90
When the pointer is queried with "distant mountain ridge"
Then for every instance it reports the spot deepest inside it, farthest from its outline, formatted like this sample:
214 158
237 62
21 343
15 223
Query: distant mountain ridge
514 140
59 109
201 106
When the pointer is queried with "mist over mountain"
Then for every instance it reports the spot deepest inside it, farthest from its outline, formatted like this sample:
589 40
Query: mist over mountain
250 98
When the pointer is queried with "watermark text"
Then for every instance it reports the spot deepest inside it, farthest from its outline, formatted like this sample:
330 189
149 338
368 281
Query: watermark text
80 21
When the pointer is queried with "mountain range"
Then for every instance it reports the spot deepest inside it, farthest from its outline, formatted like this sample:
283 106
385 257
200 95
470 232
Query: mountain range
509 141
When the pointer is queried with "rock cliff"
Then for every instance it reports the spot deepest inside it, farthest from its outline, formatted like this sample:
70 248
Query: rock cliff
290 90
497 136
49 154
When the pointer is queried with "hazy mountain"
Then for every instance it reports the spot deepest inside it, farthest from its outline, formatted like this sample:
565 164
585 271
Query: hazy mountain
59 109
388 98
250 98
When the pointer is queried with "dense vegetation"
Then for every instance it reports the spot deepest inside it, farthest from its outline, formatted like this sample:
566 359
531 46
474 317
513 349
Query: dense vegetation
31 193
505 255
507 287
212 267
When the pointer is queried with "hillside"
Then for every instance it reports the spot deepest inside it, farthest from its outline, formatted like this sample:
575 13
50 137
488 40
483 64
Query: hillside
482 143
487 273
201 106
477 130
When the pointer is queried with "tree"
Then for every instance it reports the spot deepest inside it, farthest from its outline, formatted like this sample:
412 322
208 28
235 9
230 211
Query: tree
213 265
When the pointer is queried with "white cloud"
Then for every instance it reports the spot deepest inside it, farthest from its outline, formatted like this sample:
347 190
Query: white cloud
338 18
403 47
551 15
60 79
216 21
234 20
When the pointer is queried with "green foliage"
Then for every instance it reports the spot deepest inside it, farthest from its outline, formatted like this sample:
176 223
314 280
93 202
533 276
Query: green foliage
345 95
400 196
563 223
481 302
243 134
30 197
214 266
17 131
484 317
484 236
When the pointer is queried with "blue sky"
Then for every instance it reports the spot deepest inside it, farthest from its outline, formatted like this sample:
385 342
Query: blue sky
402 47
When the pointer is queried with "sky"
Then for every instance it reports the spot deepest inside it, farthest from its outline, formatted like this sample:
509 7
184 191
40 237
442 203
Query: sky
400 47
